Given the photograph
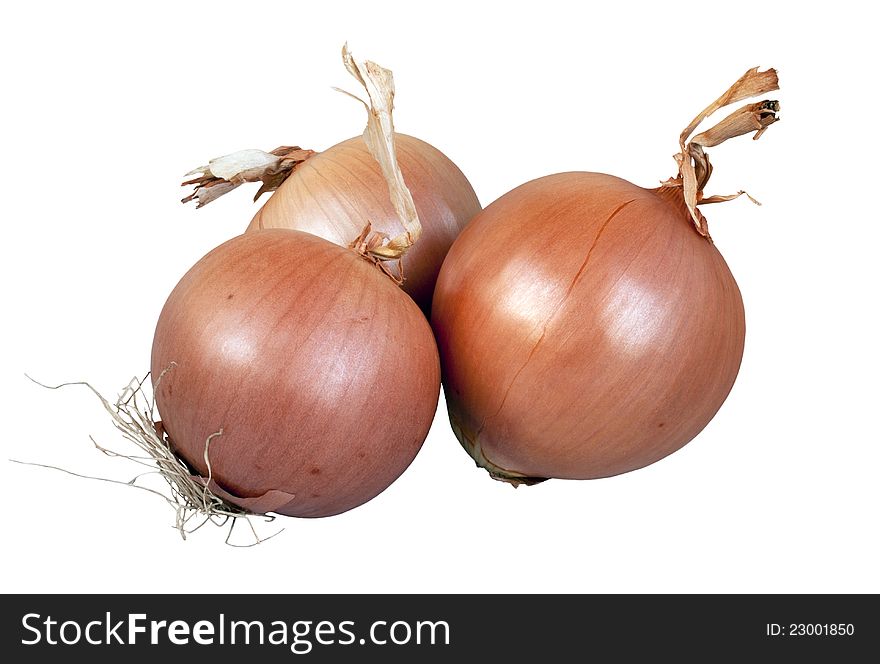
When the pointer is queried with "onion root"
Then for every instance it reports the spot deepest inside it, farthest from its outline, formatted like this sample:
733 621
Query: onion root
196 500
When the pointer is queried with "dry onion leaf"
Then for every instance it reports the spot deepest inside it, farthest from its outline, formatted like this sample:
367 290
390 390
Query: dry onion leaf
379 136
223 174
694 168
196 500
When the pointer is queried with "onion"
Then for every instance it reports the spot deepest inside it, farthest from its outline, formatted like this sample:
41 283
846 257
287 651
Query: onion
336 193
292 374
320 372
588 327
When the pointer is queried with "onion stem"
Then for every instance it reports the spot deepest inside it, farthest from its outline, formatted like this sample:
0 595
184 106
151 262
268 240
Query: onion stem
379 136
694 168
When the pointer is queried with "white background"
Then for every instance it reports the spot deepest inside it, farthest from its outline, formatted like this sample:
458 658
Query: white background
106 106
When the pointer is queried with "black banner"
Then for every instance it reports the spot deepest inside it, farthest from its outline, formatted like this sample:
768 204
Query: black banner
436 628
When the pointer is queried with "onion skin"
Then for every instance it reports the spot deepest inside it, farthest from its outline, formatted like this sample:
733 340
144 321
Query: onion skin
322 374
336 193
585 329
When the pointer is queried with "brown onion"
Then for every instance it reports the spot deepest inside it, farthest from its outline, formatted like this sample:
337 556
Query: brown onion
337 192
587 326
320 372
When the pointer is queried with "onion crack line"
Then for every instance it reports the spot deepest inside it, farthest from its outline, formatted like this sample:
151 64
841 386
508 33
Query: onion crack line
574 281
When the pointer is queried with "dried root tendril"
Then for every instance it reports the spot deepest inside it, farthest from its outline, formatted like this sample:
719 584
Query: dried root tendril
694 168
223 174
194 498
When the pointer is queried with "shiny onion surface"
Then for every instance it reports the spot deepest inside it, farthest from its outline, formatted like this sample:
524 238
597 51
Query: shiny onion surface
320 372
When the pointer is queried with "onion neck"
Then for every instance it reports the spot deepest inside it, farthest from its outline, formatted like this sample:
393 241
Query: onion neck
694 168
378 83
674 197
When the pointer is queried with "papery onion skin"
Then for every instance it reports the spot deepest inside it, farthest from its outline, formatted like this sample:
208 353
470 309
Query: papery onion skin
335 193
321 373
585 329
